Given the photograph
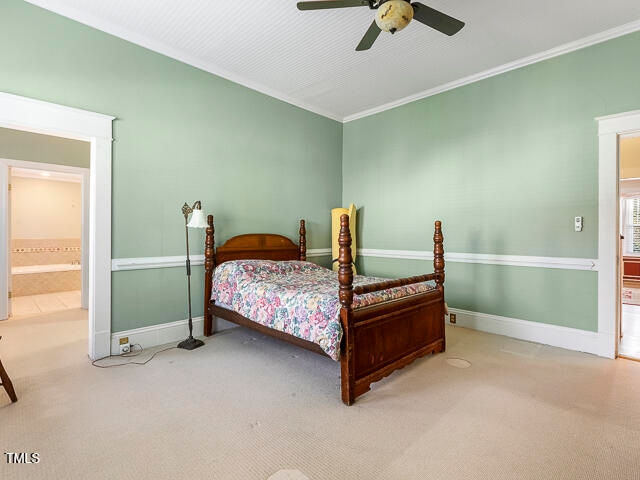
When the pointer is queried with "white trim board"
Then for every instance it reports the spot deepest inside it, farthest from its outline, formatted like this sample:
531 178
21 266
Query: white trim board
563 337
144 263
556 336
5 242
609 130
177 54
318 252
171 52
159 334
487 259
164 333
22 113
507 67
64 173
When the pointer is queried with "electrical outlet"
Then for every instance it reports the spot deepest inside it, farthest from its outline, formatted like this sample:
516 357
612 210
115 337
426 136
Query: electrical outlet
125 346
452 318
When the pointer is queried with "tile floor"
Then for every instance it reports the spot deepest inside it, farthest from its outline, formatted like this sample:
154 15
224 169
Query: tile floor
630 342
44 303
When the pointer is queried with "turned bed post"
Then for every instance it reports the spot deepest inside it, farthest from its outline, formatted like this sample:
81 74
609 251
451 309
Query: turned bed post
438 255
345 262
209 265
302 245
345 295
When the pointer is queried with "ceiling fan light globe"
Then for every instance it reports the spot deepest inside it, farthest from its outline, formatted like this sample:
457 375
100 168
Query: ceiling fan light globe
393 15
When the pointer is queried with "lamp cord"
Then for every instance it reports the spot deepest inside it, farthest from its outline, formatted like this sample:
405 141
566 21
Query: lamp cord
129 355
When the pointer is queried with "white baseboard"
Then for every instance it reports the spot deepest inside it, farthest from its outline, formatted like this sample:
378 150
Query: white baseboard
564 337
164 333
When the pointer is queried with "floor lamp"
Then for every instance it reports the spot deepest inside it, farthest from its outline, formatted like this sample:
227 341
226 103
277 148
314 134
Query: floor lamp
197 221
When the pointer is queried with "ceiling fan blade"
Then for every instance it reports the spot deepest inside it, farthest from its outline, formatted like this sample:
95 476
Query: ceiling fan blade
321 4
369 37
435 19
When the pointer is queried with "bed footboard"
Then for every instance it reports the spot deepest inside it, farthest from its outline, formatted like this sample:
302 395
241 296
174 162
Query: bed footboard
381 338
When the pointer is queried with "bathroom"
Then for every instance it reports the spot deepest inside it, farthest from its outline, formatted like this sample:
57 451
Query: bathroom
45 248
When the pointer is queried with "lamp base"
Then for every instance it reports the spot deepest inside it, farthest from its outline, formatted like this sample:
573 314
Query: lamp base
190 343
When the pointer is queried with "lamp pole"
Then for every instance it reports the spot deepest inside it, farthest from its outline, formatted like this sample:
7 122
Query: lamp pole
190 343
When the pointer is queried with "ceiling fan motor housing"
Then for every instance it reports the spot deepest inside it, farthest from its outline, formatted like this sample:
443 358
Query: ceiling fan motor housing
393 15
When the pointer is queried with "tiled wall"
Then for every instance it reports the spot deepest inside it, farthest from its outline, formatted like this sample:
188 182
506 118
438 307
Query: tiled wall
45 252
49 282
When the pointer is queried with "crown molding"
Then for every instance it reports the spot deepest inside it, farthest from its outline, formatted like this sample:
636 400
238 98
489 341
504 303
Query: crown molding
507 67
176 54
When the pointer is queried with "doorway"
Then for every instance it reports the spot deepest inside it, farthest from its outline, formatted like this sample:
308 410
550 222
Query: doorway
48 213
26 114
629 257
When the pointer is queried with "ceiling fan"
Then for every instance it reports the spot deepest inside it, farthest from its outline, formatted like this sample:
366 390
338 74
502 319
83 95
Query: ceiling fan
392 16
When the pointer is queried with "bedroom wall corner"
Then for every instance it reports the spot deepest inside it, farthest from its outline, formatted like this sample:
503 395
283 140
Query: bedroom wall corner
181 135
506 163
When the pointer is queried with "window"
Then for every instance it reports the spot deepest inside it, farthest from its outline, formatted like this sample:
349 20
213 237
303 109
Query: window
631 225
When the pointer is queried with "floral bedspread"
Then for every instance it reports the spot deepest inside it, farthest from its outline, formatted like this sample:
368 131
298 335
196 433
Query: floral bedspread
299 298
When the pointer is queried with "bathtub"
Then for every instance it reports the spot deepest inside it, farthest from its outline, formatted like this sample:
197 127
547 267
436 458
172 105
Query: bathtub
56 267
39 279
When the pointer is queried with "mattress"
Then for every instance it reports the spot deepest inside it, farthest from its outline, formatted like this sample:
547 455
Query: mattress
298 298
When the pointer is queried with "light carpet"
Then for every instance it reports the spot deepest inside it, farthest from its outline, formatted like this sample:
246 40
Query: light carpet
246 406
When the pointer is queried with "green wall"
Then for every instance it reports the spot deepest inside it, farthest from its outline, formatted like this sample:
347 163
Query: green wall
180 135
34 147
506 163
553 296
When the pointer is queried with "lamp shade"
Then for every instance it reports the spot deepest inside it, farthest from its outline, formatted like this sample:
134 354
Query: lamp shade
197 219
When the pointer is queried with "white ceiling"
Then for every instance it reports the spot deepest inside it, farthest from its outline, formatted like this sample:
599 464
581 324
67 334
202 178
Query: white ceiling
309 59
46 175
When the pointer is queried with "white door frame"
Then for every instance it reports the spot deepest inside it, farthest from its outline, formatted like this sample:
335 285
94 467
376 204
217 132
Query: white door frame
22 113
5 267
610 128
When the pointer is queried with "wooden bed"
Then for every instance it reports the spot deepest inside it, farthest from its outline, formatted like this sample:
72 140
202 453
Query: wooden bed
377 339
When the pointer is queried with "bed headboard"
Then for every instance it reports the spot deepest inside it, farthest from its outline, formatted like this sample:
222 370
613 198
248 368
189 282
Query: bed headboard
264 246
259 246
